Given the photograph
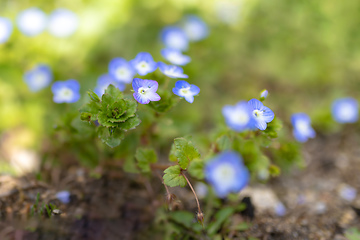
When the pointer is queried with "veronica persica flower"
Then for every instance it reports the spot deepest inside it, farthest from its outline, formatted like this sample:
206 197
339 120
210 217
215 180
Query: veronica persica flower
63 23
66 91
302 127
174 38
38 78
238 117
143 63
186 90
63 196
6 29
172 71
104 81
175 56
121 70
264 94
227 173
145 90
32 21
345 110
195 28
347 193
261 114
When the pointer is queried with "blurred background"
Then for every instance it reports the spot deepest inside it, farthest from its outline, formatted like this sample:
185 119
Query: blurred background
305 53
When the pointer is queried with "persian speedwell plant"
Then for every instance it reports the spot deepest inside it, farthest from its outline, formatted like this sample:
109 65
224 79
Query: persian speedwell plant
66 91
302 127
38 77
186 90
345 110
6 29
175 56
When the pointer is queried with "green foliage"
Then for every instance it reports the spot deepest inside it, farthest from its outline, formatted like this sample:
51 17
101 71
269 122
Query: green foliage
167 102
220 218
173 177
196 169
144 158
41 209
115 114
185 152
352 234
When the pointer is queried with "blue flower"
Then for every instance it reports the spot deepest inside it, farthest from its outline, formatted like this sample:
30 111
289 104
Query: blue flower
6 29
264 93
104 81
121 70
31 21
227 173
261 114
38 78
175 56
63 23
280 209
238 117
345 110
66 91
143 63
172 71
347 193
174 38
195 28
145 90
302 127
186 90
63 196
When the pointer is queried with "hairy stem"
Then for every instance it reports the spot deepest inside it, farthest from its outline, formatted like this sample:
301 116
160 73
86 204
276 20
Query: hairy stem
192 189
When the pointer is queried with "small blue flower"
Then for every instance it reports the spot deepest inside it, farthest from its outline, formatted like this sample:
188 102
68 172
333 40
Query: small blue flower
31 21
174 38
227 173
186 90
121 70
6 29
104 81
63 196
348 193
302 127
63 23
280 209
261 114
38 78
238 117
264 94
345 110
172 71
175 56
195 28
143 63
66 91
145 90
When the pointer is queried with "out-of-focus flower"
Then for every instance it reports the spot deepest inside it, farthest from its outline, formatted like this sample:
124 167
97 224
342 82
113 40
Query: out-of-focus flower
261 114
66 91
345 110
186 90
238 117
174 38
263 95
32 21
227 173
347 193
143 63
201 189
121 70
172 71
302 127
38 78
145 90
175 56
228 11
195 28
104 81
63 23
6 29
280 209
63 196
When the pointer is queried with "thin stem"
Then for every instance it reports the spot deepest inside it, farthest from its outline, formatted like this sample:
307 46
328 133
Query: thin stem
192 189
162 180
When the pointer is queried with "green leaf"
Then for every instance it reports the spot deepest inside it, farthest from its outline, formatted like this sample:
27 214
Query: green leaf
130 111
129 124
116 110
173 177
172 156
114 92
274 170
93 96
85 116
185 152
93 108
111 136
196 169
352 234
130 165
167 101
145 157
223 143
220 218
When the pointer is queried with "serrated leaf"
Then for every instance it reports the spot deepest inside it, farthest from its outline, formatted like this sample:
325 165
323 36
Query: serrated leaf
223 143
93 96
167 101
172 156
130 111
111 136
129 124
114 92
173 177
93 108
185 152
145 157
196 169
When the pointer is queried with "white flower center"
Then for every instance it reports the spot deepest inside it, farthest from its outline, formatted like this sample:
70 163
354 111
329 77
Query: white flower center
258 113
3 31
143 90
302 126
121 72
143 65
39 80
224 174
185 91
347 112
66 93
240 117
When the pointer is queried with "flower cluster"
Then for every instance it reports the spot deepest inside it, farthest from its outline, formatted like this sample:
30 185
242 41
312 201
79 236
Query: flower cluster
33 21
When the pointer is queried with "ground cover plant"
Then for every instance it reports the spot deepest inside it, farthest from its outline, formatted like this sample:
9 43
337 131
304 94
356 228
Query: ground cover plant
178 120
